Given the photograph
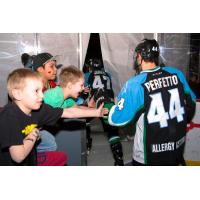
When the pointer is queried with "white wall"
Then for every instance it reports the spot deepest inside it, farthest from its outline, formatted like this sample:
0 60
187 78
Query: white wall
192 147
12 45
117 52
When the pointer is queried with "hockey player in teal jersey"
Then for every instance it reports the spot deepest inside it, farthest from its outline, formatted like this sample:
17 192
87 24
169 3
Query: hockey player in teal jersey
160 103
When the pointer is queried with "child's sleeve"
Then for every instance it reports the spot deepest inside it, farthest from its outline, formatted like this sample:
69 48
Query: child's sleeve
69 103
54 97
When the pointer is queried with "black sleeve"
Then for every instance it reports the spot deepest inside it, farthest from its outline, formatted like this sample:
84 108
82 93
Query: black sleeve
190 98
190 107
49 115
10 132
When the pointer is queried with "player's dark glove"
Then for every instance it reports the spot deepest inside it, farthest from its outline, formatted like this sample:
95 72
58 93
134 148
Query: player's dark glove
101 96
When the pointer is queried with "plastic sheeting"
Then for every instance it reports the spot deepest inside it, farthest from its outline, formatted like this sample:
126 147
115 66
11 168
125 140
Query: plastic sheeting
117 52
67 45
175 50
12 45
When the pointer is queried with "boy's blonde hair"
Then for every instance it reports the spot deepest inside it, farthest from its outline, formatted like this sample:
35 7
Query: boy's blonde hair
69 74
16 79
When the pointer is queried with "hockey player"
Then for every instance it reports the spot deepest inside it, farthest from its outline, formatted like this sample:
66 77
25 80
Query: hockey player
160 102
100 85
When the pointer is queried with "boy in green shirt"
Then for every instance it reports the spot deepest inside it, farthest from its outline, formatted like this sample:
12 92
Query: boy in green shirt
71 81
71 84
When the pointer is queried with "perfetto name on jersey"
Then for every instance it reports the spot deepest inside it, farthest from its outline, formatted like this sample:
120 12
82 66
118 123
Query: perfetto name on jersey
161 82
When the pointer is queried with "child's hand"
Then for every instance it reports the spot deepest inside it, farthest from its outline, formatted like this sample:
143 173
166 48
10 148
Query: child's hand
86 90
102 111
33 135
91 103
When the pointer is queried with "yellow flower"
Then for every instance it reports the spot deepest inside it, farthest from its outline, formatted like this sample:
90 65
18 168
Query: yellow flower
29 128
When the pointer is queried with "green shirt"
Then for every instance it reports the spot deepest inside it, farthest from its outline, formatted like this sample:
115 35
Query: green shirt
55 98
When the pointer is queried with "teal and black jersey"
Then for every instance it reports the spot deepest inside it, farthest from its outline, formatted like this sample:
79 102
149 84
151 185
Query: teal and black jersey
99 79
160 103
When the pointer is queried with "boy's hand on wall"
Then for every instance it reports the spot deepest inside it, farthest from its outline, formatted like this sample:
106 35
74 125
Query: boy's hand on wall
91 103
102 111
86 90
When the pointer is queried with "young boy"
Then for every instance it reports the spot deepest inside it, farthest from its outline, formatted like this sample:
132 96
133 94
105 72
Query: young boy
71 84
45 65
21 120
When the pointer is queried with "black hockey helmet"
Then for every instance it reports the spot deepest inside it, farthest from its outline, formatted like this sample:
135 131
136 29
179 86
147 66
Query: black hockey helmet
95 64
149 50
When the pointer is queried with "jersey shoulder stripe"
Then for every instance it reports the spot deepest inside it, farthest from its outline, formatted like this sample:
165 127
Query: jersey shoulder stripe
183 80
130 101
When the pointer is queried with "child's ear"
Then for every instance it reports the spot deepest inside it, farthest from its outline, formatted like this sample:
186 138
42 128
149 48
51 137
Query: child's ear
40 69
16 94
69 85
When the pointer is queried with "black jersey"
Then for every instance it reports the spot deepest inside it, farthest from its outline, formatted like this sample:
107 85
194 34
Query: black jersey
100 85
13 121
161 103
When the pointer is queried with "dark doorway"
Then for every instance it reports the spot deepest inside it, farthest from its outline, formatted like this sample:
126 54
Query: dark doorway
194 54
94 49
194 69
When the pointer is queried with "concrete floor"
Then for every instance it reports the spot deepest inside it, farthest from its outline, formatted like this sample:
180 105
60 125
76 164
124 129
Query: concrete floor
100 154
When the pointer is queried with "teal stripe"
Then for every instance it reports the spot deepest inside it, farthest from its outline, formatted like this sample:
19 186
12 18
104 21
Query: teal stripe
151 70
114 139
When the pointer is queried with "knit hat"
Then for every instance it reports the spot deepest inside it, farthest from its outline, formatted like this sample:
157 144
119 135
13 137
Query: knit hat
41 59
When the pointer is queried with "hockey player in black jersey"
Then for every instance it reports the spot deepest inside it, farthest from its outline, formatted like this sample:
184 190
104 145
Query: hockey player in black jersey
100 85
160 103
